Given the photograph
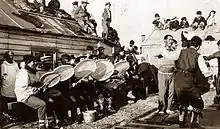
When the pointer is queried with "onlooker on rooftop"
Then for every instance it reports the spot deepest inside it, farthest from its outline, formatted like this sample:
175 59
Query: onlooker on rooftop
106 20
53 6
157 22
75 6
199 21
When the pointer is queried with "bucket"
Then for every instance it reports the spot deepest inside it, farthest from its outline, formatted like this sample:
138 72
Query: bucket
89 116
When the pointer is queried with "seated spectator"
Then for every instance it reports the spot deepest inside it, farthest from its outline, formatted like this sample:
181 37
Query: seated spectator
53 6
211 18
174 24
157 23
75 6
184 23
38 5
24 4
26 89
199 21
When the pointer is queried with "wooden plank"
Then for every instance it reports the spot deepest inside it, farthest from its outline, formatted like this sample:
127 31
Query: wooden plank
3 40
31 43
16 52
33 37
18 47
3 46
68 46
71 51
3 34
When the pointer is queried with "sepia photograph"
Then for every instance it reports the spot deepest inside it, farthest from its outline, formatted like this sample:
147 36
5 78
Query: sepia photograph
110 64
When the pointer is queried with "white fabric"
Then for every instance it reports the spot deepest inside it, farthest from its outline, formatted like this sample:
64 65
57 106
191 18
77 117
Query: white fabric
8 74
211 21
22 90
202 66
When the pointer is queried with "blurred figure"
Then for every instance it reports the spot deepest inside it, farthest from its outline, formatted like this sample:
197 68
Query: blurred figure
184 23
157 22
101 54
211 18
106 20
75 6
53 6
9 69
199 21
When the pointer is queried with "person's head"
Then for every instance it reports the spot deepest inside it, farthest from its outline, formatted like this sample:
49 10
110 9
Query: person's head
167 21
174 44
209 38
47 62
196 42
218 43
29 61
9 56
89 49
108 5
75 3
168 40
101 50
84 3
131 43
212 13
183 19
198 14
157 16
65 59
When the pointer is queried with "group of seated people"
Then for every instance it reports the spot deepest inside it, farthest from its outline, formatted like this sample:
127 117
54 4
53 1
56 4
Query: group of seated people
174 24
68 99
79 13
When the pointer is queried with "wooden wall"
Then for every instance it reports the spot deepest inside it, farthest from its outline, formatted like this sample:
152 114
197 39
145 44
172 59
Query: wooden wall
22 42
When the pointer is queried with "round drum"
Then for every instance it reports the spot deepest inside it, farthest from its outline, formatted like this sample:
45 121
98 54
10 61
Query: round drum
84 68
104 70
51 78
65 72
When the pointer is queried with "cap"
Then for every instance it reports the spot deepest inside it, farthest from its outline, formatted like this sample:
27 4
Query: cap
75 3
156 15
108 3
209 38
132 42
198 12
84 2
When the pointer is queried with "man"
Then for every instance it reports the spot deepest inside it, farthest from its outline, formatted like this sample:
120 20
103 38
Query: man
216 55
188 65
106 20
199 21
9 69
101 54
165 77
184 23
133 48
82 16
26 89
73 12
157 23
53 6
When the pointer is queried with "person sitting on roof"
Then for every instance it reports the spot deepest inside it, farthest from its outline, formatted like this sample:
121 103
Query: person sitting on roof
199 21
174 24
24 4
184 23
157 23
38 5
53 6
211 18
82 16
75 6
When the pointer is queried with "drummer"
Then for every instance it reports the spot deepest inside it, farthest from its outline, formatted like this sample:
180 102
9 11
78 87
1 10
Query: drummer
51 96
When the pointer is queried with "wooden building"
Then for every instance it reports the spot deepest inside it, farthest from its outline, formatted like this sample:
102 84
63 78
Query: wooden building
56 36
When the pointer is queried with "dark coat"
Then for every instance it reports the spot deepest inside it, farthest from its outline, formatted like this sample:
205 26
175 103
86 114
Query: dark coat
106 16
202 19
81 12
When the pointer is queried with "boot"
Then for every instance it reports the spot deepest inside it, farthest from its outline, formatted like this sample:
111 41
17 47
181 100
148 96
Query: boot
195 121
182 119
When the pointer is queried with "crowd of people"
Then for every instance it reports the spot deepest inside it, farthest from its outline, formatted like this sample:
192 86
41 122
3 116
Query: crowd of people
184 74
67 100
174 24
79 13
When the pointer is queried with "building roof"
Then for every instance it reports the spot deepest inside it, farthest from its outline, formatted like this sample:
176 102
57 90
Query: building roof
16 18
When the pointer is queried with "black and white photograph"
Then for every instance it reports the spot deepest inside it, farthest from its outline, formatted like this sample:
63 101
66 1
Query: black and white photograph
110 64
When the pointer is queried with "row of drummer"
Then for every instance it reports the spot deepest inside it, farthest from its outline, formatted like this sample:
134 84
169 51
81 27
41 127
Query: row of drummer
68 90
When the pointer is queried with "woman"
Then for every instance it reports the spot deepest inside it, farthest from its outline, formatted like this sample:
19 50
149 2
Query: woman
211 19
26 89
